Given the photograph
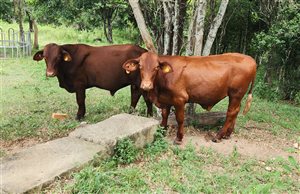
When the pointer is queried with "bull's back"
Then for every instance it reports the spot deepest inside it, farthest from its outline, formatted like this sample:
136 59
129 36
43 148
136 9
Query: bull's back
103 65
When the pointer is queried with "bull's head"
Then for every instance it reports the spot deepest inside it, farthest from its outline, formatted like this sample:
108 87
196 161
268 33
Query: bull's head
149 65
53 55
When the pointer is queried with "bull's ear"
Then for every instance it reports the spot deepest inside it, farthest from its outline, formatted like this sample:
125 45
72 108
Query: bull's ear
66 56
131 65
165 67
38 55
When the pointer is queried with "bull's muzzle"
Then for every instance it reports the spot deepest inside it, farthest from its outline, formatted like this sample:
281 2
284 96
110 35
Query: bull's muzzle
147 86
50 74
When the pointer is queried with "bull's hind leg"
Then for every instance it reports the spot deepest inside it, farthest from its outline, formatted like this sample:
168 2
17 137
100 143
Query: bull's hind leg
230 129
232 112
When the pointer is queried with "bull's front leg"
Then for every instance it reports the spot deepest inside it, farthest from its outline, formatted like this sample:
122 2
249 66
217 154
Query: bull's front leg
179 111
135 96
165 114
80 98
149 104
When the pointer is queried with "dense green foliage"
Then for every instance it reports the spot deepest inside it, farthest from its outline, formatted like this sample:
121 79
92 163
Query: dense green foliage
84 15
279 48
6 10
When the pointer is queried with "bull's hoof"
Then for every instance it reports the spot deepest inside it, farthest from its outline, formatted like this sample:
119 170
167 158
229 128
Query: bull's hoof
79 117
131 110
226 137
177 142
216 140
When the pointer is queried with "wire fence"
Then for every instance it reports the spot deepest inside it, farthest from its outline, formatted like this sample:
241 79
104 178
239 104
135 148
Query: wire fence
14 46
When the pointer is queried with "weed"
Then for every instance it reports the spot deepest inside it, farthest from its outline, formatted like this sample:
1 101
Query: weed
125 152
159 145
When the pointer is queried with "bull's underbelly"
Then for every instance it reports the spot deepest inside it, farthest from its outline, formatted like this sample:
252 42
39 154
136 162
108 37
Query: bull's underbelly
205 99
75 85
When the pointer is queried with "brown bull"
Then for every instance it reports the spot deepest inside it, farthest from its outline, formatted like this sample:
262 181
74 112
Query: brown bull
78 67
176 80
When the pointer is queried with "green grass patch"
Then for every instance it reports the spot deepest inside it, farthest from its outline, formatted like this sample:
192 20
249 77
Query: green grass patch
189 171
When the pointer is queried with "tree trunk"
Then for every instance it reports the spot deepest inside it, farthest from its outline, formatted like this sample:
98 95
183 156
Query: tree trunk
199 31
181 19
33 28
109 27
30 20
167 27
36 37
142 25
18 8
105 29
191 33
214 28
175 49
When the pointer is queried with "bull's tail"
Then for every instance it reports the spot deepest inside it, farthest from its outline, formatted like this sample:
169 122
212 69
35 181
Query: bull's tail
249 99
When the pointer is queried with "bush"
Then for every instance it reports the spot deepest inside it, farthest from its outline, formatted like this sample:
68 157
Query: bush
297 98
125 152
159 144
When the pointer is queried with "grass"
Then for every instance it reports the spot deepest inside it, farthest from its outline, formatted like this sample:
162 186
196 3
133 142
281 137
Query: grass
187 170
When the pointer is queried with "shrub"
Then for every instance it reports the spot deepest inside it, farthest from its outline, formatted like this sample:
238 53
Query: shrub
125 152
159 144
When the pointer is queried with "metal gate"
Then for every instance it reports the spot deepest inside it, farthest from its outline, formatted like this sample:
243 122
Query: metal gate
12 46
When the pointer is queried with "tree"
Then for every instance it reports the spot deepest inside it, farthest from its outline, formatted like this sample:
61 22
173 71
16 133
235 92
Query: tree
279 50
19 14
108 9
214 28
174 19
142 25
6 11
32 27
196 30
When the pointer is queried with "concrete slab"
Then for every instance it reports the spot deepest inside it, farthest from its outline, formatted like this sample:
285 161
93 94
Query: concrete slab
36 166
40 164
109 131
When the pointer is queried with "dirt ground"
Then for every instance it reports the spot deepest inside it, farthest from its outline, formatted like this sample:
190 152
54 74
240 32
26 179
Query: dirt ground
250 142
